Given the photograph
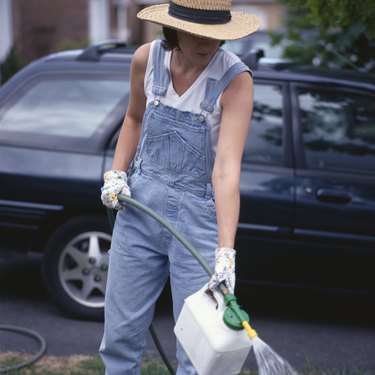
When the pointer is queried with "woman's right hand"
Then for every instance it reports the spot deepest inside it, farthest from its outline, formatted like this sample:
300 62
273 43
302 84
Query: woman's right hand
115 183
224 269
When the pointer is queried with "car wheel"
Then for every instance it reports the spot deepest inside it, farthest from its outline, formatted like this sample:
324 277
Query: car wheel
75 265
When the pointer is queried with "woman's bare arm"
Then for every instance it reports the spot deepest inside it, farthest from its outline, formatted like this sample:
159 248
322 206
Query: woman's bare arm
237 105
131 127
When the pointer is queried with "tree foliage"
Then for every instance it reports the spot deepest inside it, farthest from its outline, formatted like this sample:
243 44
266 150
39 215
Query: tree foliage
10 66
333 33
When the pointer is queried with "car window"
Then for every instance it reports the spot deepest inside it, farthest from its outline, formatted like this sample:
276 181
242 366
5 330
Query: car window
264 144
62 109
338 130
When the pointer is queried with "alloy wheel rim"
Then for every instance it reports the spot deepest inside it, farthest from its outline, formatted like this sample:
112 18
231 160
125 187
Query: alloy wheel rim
83 268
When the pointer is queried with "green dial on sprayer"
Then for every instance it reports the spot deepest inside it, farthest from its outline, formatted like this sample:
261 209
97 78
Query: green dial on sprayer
233 314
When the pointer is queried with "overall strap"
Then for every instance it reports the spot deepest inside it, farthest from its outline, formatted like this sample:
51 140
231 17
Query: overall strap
215 88
161 74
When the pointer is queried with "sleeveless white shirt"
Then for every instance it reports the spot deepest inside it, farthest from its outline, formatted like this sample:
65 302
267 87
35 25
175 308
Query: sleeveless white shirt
191 99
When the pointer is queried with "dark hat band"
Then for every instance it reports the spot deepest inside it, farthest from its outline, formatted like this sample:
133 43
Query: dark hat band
202 16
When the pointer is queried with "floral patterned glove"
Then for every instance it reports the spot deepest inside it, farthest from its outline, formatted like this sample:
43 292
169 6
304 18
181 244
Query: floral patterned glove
224 269
115 183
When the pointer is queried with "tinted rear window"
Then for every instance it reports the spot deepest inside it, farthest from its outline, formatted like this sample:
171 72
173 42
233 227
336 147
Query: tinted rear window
61 110
338 130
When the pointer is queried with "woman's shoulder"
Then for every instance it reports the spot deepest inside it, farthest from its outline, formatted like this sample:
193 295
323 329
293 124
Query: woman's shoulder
140 56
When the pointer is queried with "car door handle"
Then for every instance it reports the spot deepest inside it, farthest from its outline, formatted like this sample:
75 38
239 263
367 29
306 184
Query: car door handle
333 196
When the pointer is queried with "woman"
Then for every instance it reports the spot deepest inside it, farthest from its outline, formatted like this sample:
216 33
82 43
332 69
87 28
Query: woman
179 153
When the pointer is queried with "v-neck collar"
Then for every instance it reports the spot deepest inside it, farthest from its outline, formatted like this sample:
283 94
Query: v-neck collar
197 80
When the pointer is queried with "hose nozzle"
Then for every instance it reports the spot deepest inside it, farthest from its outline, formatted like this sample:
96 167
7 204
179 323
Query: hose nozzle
250 331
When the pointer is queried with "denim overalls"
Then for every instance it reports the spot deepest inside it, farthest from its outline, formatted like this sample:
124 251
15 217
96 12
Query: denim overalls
171 174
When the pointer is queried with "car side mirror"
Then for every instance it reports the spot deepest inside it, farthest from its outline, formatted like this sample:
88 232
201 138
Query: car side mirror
251 59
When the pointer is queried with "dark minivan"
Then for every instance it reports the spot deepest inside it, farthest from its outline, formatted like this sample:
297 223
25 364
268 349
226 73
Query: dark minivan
308 175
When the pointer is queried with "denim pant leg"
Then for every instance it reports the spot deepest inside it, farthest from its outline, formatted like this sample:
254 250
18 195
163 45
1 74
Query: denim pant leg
137 275
197 222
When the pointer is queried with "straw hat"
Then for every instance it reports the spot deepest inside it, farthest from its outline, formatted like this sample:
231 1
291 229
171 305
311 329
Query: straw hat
205 18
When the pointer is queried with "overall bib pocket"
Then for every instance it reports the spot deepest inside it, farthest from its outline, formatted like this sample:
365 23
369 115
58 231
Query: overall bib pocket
176 151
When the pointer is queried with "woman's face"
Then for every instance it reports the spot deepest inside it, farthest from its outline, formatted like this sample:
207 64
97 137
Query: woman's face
199 50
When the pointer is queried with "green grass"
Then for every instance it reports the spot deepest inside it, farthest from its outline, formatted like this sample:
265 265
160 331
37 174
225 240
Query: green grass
92 365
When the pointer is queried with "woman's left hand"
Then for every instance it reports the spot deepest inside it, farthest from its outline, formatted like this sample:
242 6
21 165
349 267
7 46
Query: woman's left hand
224 269
115 183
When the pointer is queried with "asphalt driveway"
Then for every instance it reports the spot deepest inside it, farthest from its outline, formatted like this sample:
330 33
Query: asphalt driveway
329 332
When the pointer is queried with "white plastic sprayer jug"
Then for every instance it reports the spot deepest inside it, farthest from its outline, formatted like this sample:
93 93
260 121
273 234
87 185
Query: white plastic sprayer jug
213 347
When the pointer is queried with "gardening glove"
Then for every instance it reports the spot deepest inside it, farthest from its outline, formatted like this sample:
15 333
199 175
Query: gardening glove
115 183
224 269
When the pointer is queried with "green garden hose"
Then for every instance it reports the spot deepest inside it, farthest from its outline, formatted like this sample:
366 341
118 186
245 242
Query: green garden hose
26 332
168 226
234 317
175 233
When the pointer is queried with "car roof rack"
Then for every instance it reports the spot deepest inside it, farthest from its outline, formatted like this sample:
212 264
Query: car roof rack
253 57
94 52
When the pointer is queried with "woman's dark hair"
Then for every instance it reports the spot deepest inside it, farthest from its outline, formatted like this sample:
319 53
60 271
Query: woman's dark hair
170 41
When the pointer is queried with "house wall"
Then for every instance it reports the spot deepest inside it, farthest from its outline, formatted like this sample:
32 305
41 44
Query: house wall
43 26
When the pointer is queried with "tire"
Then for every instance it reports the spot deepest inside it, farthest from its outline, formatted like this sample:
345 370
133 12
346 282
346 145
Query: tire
75 264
